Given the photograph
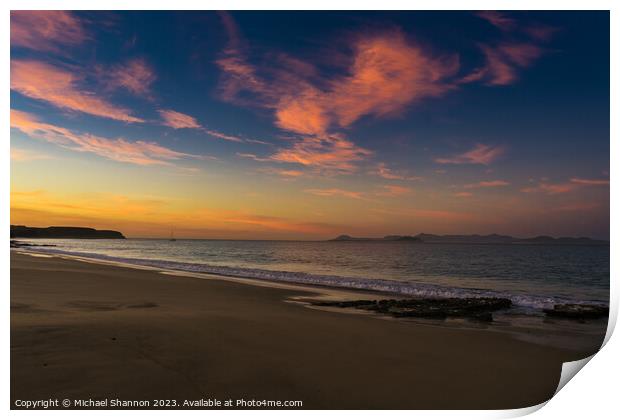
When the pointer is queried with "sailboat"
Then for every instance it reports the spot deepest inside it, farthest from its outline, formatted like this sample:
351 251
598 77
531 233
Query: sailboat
172 239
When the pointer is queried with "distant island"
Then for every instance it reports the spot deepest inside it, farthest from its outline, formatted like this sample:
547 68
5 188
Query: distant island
477 239
63 232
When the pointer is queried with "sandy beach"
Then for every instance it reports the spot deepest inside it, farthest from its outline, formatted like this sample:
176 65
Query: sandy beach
81 330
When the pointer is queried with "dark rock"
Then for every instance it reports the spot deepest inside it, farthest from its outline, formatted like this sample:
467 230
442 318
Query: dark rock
577 311
68 232
474 308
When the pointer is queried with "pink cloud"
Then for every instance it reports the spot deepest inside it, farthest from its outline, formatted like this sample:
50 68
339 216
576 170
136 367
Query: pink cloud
136 76
331 192
394 191
481 154
589 182
61 88
121 150
383 171
487 184
178 120
386 74
330 153
497 19
561 188
549 188
502 63
463 194
46 30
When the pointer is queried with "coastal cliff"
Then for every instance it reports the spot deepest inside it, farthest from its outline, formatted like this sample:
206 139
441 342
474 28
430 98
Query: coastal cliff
63 232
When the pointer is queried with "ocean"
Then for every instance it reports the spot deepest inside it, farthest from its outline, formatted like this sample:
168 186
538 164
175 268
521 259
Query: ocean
534 277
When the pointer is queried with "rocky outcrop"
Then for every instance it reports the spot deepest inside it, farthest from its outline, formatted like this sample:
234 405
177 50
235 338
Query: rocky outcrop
577 311
63 232
473 308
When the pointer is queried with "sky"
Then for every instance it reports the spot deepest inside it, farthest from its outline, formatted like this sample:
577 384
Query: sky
308 125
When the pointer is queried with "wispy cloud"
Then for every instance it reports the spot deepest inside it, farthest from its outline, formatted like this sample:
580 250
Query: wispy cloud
497 19
387 73
561 188
178 120
333 192
137 152
481 154
46 30
383 171
591 182
333 153
503 62
394 191
62 89
463 194
135 76
487 184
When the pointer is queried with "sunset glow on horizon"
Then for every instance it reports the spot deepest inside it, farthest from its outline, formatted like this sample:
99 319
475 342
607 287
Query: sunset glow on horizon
308 125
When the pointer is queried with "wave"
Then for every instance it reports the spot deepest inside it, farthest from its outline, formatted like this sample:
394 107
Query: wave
527 302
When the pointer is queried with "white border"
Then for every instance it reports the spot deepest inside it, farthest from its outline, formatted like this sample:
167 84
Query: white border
592 394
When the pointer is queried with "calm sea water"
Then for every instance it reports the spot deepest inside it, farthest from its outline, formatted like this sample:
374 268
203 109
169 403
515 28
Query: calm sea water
533 276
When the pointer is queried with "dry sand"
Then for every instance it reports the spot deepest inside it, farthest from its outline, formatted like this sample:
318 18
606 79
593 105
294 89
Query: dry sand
92 331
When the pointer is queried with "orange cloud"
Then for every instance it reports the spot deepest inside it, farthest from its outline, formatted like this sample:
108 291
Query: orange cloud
331 192
177 120
550 188
590 182
138 152
384 172
285 173
497 19
394 191
463 194
488 184
136 76
60 88
329 153
503 63
560 188
46 30
387 73
481 154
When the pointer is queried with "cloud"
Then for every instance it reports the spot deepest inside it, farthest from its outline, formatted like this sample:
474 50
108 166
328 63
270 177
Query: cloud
487 184
284 173
23 155
497 19
178 120
590 182
121 150
332 192
502 63
135 76
394 191
330 153
548 188
60 88
481 154
46 30
463 194
561 188
384 172
386 74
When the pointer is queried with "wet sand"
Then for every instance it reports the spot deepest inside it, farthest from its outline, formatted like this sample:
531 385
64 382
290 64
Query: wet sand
81 330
